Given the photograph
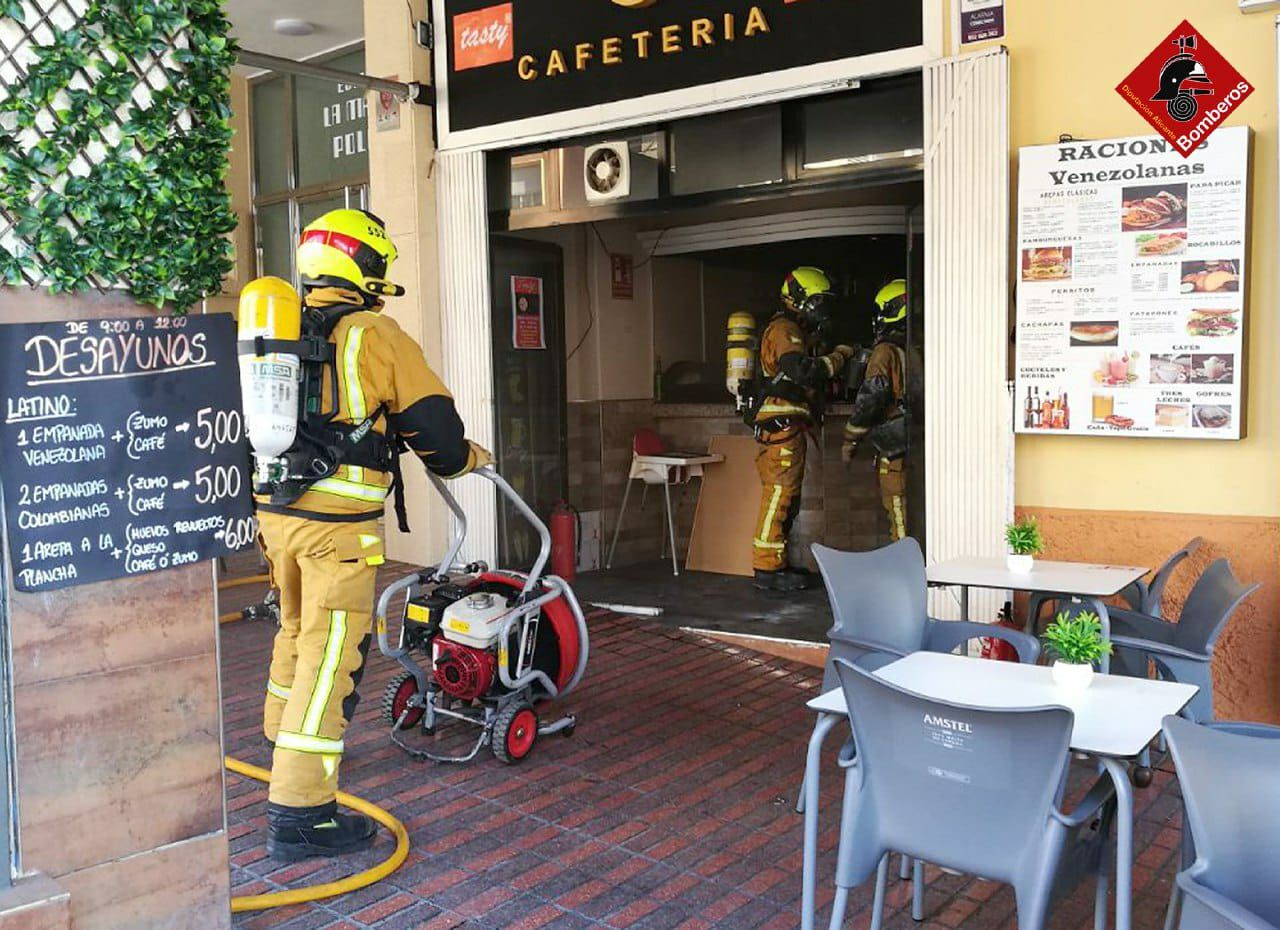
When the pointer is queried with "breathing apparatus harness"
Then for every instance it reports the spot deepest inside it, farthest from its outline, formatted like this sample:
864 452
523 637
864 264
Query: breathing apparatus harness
323 446
755 392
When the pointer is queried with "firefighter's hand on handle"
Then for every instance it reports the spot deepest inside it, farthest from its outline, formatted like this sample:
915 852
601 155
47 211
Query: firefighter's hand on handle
848 450
479 458
847 351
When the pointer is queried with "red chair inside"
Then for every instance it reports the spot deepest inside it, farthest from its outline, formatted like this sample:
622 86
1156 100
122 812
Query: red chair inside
647 442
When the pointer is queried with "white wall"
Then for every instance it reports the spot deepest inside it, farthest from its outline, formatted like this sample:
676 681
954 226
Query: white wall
615 361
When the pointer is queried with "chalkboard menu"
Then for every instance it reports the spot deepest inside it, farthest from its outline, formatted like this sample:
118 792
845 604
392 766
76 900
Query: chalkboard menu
122 449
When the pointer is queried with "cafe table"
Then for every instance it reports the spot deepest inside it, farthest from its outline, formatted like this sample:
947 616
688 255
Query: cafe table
1114 720
1081 582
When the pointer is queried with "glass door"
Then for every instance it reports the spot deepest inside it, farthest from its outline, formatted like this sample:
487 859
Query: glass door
529 385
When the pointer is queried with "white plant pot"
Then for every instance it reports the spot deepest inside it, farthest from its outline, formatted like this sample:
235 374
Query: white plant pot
1071 677
1020 563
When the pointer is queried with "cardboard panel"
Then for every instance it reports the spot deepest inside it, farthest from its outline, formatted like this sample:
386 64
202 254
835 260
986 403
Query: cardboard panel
727 508
114 764
184 886
35 903
113 625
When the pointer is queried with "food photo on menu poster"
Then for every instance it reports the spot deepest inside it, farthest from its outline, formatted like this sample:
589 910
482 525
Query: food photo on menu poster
1130 303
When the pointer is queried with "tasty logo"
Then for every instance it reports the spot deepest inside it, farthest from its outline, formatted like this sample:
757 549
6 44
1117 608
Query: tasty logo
1186 95
482 37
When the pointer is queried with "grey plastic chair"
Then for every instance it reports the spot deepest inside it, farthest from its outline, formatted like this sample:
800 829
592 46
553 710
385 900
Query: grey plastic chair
879 601
978 790
1228 776
1182 651
1147 597
1143 596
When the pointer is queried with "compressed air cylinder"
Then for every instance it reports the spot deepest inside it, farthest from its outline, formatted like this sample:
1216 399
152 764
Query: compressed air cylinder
740 351
269 383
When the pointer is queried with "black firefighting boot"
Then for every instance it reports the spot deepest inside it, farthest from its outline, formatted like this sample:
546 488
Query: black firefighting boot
784 580
295 833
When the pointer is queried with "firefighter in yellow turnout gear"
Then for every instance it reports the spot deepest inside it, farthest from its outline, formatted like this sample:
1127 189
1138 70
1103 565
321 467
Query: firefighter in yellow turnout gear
879 410
321 537
793 377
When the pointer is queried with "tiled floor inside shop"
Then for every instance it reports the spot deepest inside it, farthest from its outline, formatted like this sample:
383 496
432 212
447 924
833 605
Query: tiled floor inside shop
671 806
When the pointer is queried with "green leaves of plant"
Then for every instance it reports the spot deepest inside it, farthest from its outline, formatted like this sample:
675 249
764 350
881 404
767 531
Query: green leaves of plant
1077 639
156 224
1024 537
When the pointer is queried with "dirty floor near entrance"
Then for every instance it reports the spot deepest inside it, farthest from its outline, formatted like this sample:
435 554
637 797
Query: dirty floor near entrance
706 601
671 807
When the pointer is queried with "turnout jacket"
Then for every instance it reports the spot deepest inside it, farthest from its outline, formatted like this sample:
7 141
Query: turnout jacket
379 365
785 352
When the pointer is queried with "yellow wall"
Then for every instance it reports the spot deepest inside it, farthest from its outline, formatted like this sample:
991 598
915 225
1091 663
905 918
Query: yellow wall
239 185
1066 60
402 192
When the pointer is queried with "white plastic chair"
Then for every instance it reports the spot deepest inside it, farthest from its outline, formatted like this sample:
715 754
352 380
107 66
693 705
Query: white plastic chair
651 467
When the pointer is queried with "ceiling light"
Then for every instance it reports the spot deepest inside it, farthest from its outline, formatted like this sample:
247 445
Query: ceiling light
293 27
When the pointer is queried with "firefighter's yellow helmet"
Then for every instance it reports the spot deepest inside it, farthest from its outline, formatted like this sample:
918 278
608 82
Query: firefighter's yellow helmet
891 304
805 288
348 248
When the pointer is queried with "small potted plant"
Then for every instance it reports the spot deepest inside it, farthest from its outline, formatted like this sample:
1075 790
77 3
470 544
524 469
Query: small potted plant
1076 643
1025 543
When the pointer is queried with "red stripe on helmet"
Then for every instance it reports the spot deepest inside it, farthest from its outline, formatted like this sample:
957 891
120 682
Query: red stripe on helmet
348 245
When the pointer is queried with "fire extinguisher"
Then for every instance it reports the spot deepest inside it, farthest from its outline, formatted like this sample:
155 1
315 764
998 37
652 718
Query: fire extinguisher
564 540
998 649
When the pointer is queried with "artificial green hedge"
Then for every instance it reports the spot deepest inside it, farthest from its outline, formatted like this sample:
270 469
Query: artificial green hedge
152 215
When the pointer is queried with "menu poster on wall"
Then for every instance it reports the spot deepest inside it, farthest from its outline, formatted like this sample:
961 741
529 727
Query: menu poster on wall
527 329
1131 282
122 448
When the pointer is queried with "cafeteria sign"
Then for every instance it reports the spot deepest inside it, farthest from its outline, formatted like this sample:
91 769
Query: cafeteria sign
529 58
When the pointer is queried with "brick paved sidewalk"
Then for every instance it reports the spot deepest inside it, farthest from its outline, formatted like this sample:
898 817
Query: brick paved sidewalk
671 807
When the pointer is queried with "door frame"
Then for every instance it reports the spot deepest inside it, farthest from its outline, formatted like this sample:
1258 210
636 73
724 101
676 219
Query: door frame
984 447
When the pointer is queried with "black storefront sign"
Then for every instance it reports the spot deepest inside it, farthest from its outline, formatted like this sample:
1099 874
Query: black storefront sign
122 448
529 58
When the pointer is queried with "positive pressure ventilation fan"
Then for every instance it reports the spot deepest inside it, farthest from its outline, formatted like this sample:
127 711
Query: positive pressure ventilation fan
607 171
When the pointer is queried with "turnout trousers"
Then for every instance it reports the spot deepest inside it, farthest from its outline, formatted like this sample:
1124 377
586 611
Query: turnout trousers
893 494
780 465
325 573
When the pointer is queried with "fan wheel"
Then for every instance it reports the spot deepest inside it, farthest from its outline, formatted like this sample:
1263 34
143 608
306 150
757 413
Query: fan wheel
395 701
514 732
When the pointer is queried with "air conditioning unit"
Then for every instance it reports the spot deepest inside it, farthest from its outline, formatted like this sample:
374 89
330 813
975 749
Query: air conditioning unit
607 171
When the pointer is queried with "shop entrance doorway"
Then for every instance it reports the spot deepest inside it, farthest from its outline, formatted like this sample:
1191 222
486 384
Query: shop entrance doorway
646 299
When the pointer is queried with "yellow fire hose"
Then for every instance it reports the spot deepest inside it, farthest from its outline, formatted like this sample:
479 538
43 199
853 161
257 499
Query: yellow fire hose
260 902
247 579
235 615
